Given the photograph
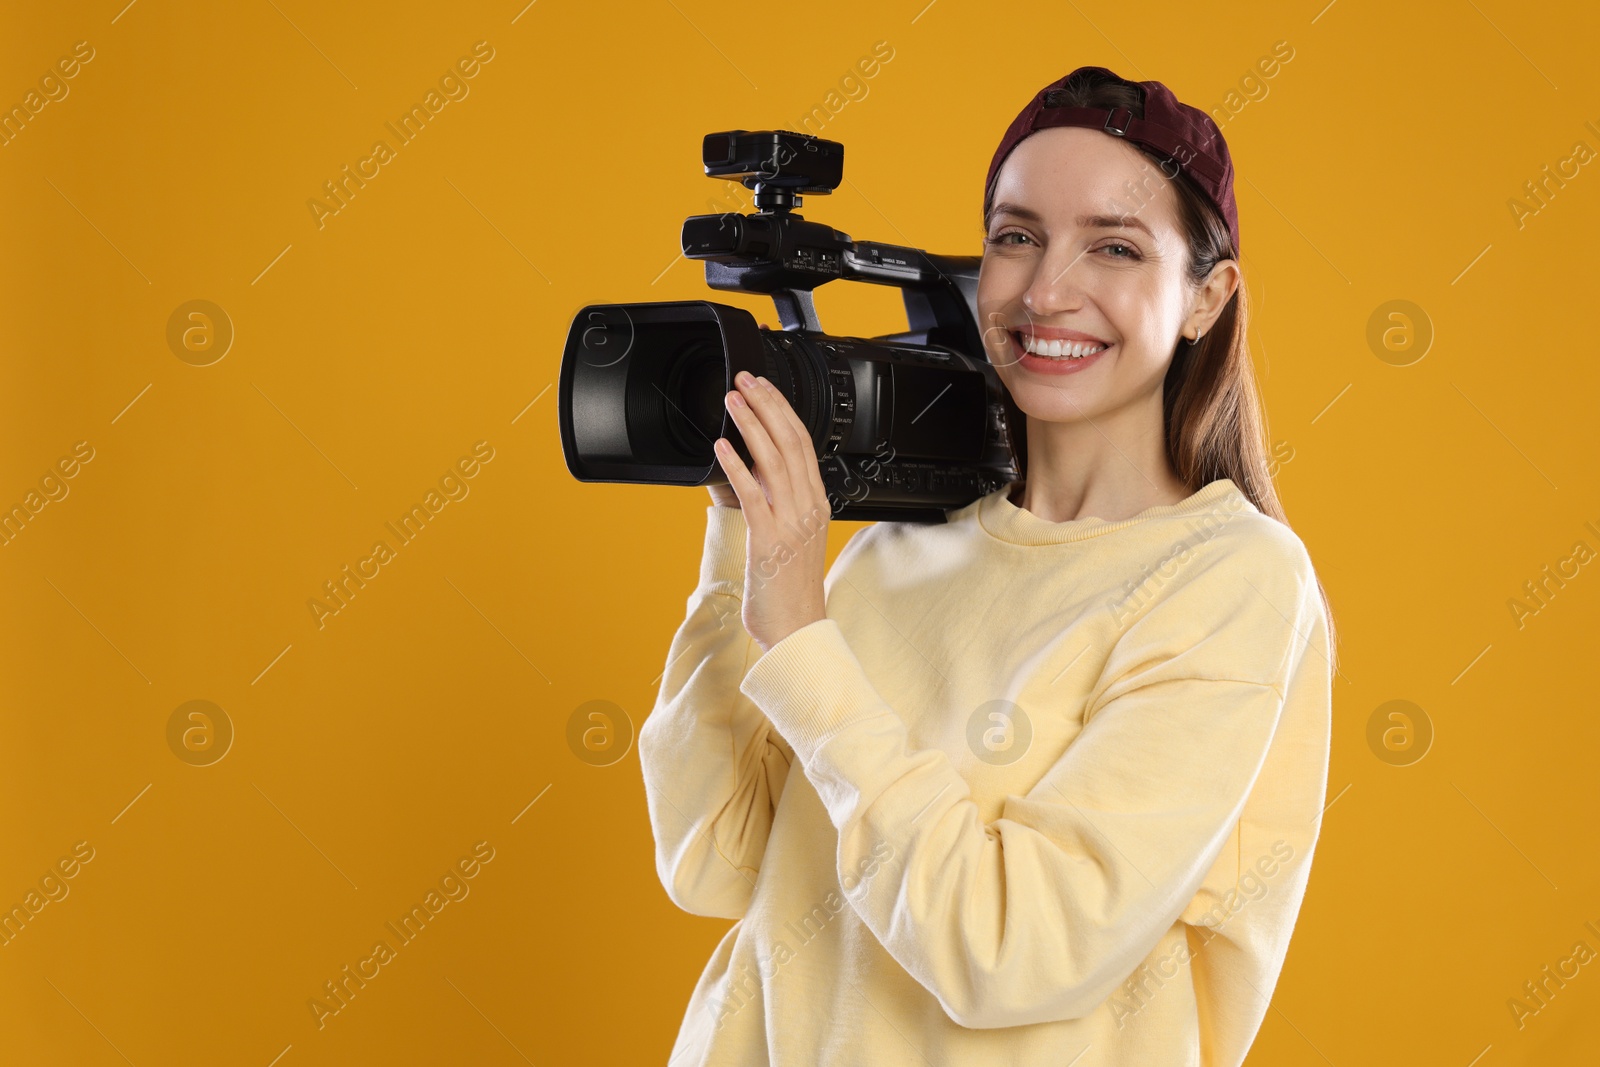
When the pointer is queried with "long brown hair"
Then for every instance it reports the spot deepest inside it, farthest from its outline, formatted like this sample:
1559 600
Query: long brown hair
1215 424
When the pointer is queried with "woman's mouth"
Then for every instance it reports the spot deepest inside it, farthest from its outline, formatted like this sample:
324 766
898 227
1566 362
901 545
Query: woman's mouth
1053 357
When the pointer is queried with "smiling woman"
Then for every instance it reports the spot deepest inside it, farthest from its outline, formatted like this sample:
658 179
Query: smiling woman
1022 757
1131 242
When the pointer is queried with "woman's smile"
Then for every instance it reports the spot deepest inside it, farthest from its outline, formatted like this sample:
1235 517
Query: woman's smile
1034 353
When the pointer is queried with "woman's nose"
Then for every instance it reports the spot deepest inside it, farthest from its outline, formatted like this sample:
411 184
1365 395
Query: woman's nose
1054 289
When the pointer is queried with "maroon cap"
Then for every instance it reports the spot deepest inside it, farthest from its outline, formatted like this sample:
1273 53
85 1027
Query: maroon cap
1184 136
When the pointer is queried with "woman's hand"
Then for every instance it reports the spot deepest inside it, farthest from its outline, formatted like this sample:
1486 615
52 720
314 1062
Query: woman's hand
786 508
723 495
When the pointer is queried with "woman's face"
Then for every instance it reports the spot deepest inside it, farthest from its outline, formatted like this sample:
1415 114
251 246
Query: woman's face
1065 251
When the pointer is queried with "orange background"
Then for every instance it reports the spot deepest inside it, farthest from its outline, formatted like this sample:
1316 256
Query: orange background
428 314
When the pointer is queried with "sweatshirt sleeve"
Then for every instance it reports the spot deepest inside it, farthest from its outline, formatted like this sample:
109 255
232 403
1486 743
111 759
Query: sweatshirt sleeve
1039 915
713 765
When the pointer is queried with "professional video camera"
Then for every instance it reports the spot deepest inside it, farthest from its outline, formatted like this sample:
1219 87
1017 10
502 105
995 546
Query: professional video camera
905 426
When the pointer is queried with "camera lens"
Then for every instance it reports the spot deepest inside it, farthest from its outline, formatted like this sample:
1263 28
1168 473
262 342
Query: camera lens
694 387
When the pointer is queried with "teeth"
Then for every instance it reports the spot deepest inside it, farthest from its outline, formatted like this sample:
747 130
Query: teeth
1058 349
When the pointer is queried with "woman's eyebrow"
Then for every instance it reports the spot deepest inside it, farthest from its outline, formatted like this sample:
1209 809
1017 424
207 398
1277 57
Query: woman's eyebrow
1114 222
1015 209
1098 222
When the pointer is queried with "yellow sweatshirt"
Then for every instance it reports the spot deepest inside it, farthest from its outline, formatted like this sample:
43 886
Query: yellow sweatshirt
1032 793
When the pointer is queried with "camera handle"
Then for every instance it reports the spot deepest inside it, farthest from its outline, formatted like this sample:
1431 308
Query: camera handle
786 257
796 309
778 253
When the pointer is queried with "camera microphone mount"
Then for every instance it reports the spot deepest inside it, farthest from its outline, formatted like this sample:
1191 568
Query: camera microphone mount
778 252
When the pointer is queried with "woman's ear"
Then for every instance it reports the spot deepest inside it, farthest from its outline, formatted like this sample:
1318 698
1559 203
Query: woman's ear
1212 296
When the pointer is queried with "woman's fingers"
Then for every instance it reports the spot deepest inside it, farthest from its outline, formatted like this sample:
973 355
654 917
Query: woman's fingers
756 420
781 424
785 458
778 416
800 440
755 487
744 484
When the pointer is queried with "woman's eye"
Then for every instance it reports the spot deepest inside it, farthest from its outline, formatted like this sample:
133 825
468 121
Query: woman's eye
1000 238
1132 253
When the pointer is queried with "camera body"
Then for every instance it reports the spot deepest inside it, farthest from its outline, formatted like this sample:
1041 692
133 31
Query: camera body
905 426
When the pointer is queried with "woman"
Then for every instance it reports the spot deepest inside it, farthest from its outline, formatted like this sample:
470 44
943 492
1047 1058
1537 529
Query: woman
1040 785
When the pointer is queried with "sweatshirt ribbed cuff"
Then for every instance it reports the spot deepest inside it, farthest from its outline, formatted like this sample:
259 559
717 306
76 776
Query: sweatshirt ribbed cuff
722 560
811 686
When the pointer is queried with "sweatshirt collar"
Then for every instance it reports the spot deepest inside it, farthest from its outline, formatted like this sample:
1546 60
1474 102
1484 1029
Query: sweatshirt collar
1005 521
